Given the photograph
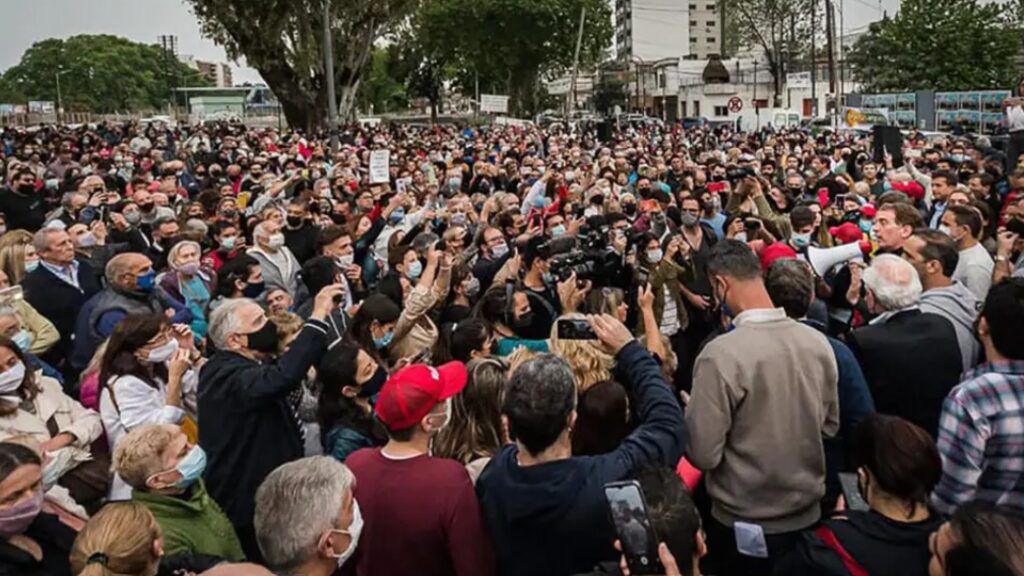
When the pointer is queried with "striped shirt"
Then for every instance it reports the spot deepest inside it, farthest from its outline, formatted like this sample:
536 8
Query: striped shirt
981 438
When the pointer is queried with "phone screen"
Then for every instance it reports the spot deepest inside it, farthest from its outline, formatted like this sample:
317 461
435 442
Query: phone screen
575 329
851 492
633 527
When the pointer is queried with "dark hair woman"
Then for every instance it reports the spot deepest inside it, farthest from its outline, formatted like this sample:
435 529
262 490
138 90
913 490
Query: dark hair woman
462 341
898 467
32 543
350 380
145 375
373 327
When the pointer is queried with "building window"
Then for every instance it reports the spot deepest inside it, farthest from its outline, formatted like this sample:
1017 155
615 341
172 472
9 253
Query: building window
693 39
711 40
711 7
721 111
693 23
711 23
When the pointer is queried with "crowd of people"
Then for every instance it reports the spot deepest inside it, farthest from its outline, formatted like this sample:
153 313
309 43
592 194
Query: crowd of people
227 350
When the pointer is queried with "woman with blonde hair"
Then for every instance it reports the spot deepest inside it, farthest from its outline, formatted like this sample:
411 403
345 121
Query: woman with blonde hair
475 433
17 260
589 364
122 539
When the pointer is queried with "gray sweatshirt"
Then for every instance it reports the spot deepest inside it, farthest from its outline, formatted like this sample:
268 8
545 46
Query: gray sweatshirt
764 395
960 306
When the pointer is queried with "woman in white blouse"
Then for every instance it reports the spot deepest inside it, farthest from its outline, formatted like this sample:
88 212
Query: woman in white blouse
1014 110
146 377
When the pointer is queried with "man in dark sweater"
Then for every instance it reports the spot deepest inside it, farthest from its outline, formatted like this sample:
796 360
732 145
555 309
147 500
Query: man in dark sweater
545 509
421 514
299 234
247 424
23 207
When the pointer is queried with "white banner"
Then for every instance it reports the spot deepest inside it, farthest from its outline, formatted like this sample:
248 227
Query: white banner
380 166
494 103
798 80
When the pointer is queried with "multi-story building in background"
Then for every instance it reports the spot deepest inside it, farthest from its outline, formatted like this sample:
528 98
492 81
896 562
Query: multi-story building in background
651 30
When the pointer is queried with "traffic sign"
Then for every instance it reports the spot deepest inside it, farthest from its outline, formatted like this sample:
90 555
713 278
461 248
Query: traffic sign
735 104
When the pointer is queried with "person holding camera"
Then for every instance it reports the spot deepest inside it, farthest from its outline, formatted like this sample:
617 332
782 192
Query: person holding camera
548 298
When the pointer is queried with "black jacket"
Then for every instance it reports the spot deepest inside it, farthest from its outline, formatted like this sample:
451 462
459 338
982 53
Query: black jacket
881 546
23 212
910 361
552 519
247 426
54 538
301 242
60 303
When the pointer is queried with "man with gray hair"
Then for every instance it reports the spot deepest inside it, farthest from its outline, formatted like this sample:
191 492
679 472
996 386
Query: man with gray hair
911 359
247 424
307 519
58 288
279 265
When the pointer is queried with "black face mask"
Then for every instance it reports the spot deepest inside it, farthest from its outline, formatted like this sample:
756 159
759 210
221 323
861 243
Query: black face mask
263 340
523 322
147 207
294 221
253 290
373 385
26 189
629 209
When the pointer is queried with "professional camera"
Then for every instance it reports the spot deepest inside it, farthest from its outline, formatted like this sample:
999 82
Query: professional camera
739 173
591 259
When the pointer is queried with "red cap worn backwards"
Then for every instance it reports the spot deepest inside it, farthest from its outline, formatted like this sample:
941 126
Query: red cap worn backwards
412 392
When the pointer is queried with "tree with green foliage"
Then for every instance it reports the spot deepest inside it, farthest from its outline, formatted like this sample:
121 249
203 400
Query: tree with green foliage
383 88
780 29
508 46
939 45
283 40
98 73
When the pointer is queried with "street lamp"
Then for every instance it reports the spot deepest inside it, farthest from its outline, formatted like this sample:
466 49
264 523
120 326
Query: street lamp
60 101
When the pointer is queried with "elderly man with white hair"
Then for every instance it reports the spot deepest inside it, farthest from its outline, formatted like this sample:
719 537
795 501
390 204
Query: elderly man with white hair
307 521
279 265
247 424
911 359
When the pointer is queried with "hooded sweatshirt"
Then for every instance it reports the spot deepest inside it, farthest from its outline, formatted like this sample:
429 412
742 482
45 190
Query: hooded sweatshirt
960 306
879 545
552 519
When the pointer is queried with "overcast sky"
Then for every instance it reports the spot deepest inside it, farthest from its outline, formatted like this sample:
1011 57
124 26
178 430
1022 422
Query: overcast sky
26 22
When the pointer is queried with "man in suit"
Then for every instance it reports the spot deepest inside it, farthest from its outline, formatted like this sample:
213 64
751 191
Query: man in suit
58 288
911 359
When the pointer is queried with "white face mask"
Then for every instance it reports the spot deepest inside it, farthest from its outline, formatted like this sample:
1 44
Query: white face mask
275 241
447 415
11 380
163 353
345 260
353 532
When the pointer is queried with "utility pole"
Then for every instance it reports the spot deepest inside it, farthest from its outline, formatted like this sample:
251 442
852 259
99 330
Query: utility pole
831 49
842 56
60 100
814 62
576 64
332 101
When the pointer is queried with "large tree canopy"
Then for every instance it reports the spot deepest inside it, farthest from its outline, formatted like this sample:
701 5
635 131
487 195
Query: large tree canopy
508 45
97 74
939 45
283 40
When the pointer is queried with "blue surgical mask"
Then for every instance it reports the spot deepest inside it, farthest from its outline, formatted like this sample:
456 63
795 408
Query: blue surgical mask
414 270
547 277
455 183
866 226
397 216
801 240
557 231
500 250
191 467
655 256
145 282
31 265
384 341
23 339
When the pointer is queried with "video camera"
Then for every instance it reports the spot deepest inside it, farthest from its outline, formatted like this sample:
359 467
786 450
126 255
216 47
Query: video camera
590 259
739 173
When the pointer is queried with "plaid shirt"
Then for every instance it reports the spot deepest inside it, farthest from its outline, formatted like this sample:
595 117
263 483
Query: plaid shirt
981 438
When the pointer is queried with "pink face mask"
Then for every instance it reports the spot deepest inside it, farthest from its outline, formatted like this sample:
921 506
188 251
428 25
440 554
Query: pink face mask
16 520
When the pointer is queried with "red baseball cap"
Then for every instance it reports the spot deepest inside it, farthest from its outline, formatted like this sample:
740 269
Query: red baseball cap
412 392
777 251
846 233
869 210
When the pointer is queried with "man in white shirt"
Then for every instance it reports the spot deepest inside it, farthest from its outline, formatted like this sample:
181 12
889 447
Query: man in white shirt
974 270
